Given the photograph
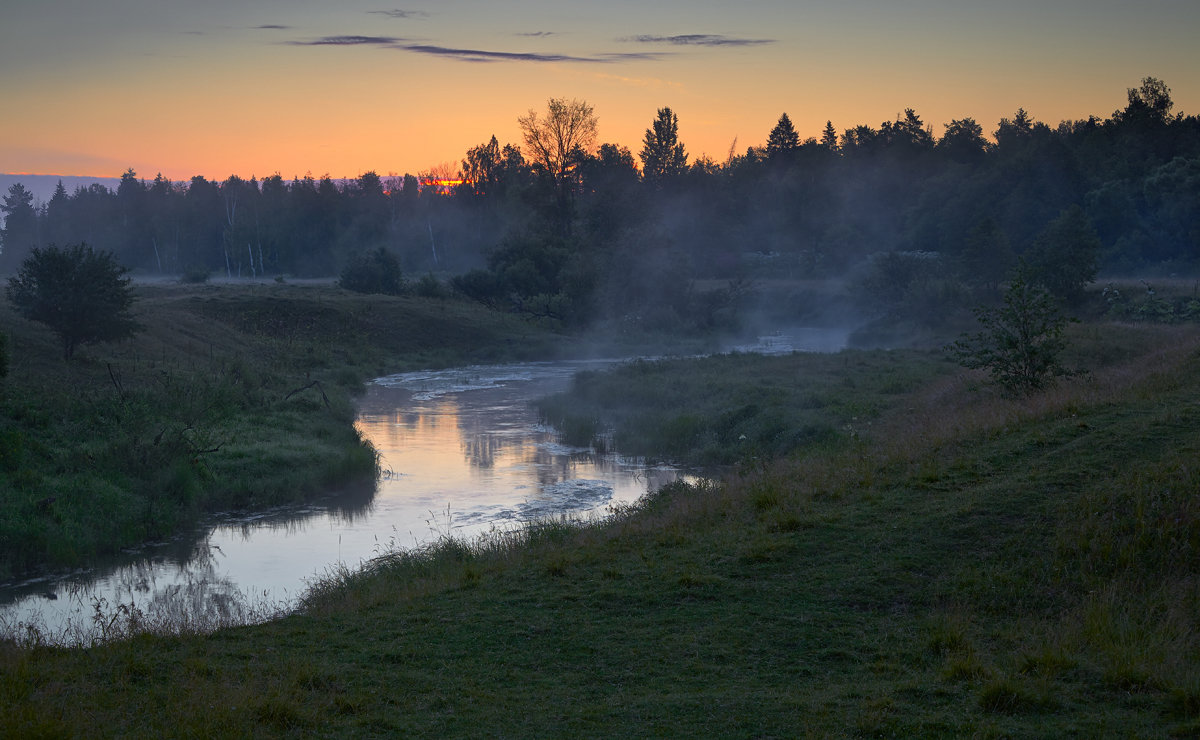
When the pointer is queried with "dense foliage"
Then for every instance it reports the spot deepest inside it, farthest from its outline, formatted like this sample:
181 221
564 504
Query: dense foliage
375 272
578 233
1020 342
81 294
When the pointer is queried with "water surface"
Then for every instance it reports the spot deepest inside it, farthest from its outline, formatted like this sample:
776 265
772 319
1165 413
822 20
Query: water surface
462 452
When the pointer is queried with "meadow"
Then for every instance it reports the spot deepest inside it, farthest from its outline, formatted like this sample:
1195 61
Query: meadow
233 398
894 549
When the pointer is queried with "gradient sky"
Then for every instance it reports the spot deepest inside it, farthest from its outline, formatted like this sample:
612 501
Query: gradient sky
254 87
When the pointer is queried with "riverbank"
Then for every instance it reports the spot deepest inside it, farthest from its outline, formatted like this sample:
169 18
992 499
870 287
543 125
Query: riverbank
967 564
234 397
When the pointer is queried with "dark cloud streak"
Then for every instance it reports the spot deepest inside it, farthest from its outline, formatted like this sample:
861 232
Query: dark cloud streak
481 55
350 41
697 39
474 55
402 14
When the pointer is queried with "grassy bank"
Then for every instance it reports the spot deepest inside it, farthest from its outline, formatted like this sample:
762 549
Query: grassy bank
233 397
966 565
736 408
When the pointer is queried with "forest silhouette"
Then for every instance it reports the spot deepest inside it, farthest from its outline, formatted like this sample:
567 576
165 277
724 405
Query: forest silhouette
577 233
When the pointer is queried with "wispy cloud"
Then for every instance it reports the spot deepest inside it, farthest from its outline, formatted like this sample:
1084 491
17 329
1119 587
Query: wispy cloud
483 55
350 41
271 27
536 34
475 55
402 14
635 56
697 39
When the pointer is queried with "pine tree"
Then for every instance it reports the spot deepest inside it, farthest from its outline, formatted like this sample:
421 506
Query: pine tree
829 137
662 155
783 139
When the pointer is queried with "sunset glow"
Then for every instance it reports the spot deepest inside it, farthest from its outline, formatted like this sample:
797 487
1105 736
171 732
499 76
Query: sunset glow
257 88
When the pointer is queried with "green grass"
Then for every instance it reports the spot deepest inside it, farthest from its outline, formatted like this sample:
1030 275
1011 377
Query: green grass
737 408
234 397
967 565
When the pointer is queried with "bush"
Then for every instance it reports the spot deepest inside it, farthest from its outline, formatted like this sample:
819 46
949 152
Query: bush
1020 342
430 287
889 275
374 272
82 295
482 286
194 275
1065 254
3 356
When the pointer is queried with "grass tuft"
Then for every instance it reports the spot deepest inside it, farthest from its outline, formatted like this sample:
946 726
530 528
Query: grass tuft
1008 696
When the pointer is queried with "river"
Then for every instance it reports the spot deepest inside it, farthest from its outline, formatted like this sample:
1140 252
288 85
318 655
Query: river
462 453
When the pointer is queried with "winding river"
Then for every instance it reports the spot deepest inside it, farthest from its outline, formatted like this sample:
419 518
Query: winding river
462 452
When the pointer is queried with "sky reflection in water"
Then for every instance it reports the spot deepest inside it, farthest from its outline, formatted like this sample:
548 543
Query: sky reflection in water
462 453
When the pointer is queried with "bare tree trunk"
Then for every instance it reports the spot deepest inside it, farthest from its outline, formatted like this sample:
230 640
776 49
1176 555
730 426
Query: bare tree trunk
432 246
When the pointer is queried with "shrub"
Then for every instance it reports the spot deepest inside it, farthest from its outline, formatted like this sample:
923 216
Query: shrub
888 276
1065 254
82 295
194 275
3 355
480 285
377 271
430 287
1020 342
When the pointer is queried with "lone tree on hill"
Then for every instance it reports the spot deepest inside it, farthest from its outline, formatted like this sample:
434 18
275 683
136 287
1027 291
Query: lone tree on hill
82 295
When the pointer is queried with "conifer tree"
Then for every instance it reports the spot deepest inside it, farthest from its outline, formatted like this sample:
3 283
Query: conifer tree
663 157
783 139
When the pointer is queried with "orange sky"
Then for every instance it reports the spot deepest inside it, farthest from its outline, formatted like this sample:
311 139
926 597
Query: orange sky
254 88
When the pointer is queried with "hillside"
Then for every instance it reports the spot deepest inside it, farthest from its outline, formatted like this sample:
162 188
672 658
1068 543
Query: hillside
234 396
958 564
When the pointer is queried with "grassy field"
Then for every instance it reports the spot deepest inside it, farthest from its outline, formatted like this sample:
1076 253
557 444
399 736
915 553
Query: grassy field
962 565
233 397
743 409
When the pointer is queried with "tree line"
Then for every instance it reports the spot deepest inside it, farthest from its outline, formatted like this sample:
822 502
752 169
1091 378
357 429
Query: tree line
562 226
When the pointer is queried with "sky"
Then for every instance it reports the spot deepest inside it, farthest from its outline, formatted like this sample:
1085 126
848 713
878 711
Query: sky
257 87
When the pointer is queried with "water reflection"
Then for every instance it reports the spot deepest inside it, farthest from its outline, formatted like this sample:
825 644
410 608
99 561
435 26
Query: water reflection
462 452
